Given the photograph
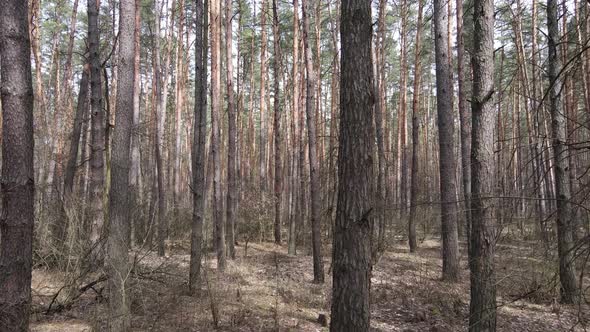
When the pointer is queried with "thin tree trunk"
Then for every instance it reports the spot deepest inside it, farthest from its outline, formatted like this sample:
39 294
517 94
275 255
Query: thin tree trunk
81 110
314 187
446 129
278 176
564 221
216 132
232 186
465 121
415 130
180 93
135 171
95 213
161 80
263 79
293 221
380 90
199 147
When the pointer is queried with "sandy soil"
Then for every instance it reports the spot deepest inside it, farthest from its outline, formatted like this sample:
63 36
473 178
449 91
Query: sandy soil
268 290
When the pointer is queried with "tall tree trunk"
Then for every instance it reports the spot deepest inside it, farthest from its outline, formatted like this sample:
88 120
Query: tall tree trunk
263 78
293 221
352 233
278 176
40 97
95 213
215 12
160 109
135 171
565 243
119 212
402 121
199 147
232 186
482 308
179 99
464 120
16 228
380 91
415 130
318 265
446 129
161 150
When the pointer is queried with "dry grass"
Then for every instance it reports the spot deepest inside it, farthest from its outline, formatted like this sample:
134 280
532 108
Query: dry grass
269 290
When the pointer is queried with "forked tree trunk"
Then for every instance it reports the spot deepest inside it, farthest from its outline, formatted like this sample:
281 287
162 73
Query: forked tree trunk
352 233
16 228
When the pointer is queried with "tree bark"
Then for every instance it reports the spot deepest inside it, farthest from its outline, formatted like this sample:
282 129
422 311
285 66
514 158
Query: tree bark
199 147
135 172
215 11
564 220
263 78
482 308
232 185
446 129
415 130
119 212
293 221
17 186
278 176
402 121
95 213
314 186
179 99
464 120
352 233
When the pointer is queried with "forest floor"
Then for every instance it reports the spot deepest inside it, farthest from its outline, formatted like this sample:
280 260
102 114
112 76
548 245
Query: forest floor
268 290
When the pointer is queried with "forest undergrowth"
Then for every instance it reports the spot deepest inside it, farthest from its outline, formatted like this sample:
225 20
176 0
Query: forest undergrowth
265 289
